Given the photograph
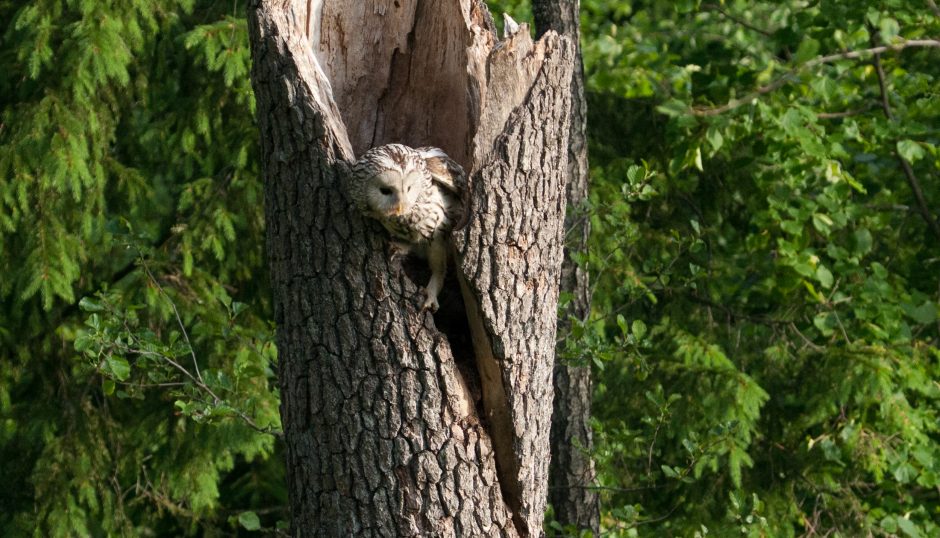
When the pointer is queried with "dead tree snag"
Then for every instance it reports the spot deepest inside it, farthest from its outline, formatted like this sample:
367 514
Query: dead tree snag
383 430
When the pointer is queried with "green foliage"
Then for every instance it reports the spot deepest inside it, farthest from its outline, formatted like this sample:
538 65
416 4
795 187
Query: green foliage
136 355
765 326
765 292
764 330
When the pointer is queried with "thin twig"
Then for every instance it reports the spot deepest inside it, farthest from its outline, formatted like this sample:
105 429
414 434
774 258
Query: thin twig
736 19
657 519
844 114
888 207
845 334
611 488
780 82
812 345
197 379
882 87
649 461
919 195
155 385
934 8
179 320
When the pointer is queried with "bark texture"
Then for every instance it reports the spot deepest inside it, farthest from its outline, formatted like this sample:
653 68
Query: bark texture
572 469
385 434
510 258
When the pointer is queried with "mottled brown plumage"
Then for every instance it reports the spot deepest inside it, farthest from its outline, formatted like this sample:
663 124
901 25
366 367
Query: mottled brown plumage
418 195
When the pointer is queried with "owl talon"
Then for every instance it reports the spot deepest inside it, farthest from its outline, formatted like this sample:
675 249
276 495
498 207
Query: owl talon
430 304
397 251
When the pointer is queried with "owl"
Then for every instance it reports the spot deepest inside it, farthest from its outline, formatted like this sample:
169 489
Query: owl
418 195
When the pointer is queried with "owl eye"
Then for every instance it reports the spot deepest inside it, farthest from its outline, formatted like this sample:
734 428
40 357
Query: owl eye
385 191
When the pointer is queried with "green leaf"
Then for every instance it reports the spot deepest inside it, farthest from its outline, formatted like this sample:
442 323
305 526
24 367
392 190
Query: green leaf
908 527
824 276
622 323
925 313
904 473
804 268
82 343
238 308
822 223
889 29
825 87
715 138
119 367
807 50
686 6
863 241
673 107
911 151
638 327
89 305
249 520
825 322
635 174
889 524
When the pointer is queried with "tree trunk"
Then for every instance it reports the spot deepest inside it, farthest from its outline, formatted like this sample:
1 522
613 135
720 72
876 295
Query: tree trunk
572 469
397 422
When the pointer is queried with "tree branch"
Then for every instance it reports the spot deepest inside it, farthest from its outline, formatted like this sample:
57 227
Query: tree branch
882 87
780 82
196 379
736 19
843 114
179 321
934 8
922 206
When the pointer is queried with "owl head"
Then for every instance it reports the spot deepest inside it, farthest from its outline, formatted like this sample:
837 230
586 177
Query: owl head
389 179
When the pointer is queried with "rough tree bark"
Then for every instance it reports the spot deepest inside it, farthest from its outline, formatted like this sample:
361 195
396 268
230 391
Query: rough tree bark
397 422
572 469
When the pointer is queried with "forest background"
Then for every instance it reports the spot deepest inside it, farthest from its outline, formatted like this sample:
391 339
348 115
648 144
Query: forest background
764 260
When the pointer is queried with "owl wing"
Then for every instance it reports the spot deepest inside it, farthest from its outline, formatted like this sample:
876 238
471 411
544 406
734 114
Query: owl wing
444 170
451 177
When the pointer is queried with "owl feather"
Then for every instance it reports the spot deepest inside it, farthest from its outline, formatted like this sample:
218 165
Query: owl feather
419 196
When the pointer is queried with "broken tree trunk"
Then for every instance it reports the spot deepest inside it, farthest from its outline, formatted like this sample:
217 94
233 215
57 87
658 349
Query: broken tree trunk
572 476
397 422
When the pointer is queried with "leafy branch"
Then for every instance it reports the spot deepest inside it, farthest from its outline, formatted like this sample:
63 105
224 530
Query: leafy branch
736 19
787 77
934 8
922 206
114 337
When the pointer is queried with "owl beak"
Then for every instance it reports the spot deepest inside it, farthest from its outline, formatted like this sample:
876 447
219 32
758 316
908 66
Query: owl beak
398 210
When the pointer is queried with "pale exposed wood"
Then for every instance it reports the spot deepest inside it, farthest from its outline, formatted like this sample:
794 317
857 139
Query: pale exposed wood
399 71
382 433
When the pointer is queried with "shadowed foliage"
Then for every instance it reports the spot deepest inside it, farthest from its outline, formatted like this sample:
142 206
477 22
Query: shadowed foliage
763 259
